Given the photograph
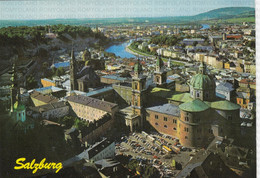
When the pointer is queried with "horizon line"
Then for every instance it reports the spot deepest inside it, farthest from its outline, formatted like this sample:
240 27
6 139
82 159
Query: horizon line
89 18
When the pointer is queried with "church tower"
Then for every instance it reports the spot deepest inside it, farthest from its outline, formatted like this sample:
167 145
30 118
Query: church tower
159 73
138 88
13 87
17 111
73 79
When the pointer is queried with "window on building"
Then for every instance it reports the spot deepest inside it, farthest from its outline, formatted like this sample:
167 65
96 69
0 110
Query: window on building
174 121
186 137
210 131
19 114
165 118
229 117
174 128
186 119
136 86
156 123
158 79
186 129
156 117
165 126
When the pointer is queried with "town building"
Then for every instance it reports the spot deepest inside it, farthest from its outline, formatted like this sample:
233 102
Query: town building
84 78
196 117
89 108
206 164
49 111
100 150
225 90
47 82
39 99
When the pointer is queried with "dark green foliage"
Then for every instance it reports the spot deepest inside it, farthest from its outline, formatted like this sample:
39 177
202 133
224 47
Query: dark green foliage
165 40
251 44
24 35
38 143
85 126
145 170
135 44
68 121
60 71
107 54
31 82
195 43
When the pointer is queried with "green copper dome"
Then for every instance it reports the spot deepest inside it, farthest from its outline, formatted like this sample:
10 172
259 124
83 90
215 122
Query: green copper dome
18 106
138 67
202 81
194 106
224 105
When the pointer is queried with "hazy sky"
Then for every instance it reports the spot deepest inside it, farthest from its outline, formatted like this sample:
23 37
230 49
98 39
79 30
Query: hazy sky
41 9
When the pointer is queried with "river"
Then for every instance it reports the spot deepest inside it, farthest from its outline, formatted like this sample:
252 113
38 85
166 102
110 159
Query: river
119 50
205 26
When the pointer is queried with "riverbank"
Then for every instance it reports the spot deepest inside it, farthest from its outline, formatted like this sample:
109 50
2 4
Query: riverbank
138 53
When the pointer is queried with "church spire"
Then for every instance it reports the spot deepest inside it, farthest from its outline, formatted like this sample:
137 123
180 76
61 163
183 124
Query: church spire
159 64
137 68
13 86
73 72
202 68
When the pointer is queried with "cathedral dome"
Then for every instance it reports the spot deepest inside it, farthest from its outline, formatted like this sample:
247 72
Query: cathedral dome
202 81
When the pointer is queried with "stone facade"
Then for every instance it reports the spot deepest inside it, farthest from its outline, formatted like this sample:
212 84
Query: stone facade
91 109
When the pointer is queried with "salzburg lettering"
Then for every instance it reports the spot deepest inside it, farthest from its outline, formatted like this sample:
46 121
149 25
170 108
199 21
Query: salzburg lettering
37 166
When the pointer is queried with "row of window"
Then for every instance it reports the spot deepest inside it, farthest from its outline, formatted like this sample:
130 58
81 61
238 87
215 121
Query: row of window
198 94
166 119
165 126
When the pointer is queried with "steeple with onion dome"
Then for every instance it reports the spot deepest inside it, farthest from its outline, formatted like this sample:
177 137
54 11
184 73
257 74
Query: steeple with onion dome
202 85
159 74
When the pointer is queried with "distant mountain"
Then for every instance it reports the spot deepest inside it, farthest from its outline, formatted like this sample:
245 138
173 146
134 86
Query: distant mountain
221 13
225 13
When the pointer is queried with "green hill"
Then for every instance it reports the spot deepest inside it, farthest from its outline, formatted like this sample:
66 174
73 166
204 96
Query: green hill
227 12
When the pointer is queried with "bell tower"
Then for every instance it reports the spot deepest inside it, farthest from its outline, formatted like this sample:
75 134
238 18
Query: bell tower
159 73
138 88
13 87
73 79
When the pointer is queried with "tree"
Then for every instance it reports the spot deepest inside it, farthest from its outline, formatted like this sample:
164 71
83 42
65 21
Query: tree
68 121
60 71
45 65
31 82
